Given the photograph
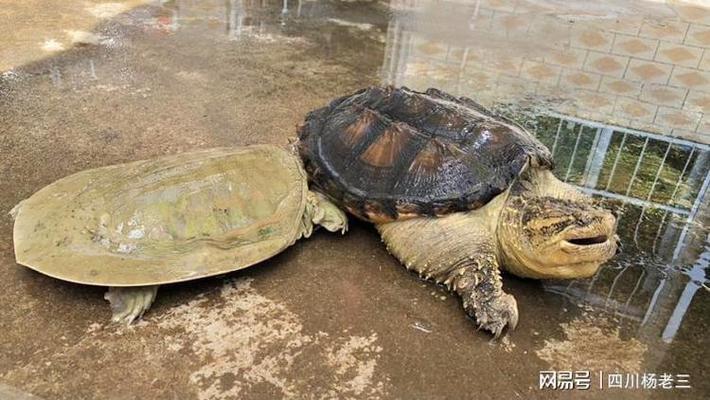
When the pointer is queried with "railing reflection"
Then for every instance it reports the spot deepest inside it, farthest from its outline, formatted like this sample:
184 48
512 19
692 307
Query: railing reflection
660 183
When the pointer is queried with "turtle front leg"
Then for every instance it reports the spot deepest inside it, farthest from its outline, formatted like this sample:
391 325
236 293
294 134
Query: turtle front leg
130 303
321 211
481 289
458 251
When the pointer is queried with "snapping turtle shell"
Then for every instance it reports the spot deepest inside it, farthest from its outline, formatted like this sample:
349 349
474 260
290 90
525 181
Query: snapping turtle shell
456 192
393 153
169 219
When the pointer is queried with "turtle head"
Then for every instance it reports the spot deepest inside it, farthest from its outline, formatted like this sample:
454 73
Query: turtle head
552 237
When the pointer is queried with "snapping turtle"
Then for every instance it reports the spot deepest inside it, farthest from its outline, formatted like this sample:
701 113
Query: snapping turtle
455 191
135 226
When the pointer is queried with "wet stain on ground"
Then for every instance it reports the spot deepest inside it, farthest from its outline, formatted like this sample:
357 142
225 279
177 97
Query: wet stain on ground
331 317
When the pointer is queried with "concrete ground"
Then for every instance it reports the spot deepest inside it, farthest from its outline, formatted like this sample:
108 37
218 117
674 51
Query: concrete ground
86 84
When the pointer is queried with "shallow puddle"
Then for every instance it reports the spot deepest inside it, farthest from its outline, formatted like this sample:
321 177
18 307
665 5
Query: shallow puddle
617 90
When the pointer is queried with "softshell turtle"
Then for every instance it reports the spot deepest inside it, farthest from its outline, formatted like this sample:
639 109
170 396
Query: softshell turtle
135 226
455 191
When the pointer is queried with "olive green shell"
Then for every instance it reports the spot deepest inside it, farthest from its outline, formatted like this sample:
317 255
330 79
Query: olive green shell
169 219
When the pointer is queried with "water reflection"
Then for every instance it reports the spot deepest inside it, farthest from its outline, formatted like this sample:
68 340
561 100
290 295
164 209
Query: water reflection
175 69
580 78
643 70
261 19
660 185
624 123
559 72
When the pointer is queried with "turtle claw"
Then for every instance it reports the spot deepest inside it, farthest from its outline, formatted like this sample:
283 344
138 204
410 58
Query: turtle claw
130 303
495 314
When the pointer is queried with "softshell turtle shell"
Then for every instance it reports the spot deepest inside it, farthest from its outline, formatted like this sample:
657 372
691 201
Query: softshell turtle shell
169 219
389 153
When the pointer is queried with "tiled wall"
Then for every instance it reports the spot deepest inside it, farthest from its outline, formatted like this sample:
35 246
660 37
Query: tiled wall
648 70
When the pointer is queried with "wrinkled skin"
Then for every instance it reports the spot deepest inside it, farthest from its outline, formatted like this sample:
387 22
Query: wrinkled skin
551 238
539 228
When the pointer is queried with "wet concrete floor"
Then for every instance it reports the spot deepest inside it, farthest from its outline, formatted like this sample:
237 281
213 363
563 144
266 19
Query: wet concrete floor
88 84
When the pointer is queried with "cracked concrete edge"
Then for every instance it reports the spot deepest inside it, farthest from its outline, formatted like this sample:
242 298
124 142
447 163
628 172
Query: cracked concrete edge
11 393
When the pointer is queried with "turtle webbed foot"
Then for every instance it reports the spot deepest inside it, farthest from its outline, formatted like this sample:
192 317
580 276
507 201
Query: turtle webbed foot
493 314
481 288
323 212
130 303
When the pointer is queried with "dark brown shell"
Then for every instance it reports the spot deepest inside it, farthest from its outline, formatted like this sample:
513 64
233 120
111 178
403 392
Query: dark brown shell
387 153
